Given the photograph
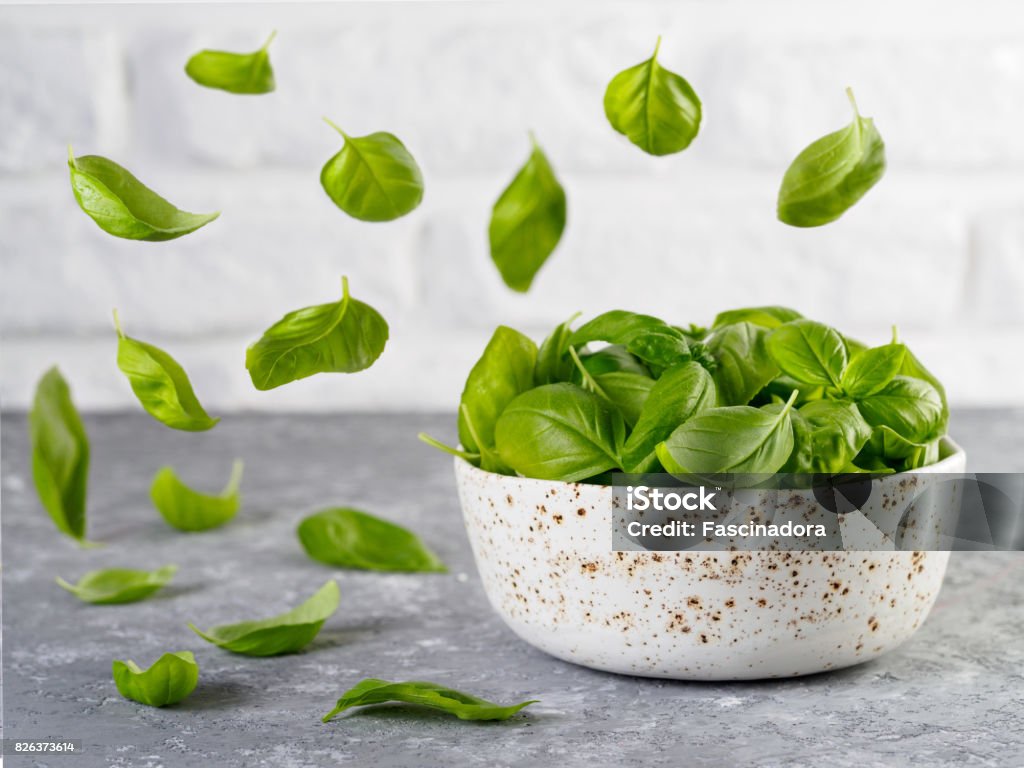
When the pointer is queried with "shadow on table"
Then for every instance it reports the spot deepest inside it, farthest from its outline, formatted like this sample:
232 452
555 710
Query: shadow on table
217 695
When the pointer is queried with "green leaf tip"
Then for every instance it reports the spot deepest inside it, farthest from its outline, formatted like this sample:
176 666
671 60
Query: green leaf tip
335 126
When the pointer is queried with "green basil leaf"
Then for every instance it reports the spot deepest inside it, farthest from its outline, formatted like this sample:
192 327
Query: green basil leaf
553 363
810 352
60 454
743 365
373 178
559 432
832 174
349 538
123 206
287 633
342 337
738 439
242 73
627 391
914 368
189 510
911 407
160 384
681 392
527 221
119 585
504 370
652 340
837 433
431 695
655 109
899 453
611 359
766 317
171 678
871 369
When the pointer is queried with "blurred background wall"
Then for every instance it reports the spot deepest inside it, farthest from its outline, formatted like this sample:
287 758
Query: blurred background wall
936 248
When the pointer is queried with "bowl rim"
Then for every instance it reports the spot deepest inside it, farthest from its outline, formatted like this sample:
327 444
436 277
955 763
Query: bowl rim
954 454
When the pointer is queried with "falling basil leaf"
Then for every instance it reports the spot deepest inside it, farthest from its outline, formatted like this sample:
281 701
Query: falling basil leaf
343 337
242 73
655 109
349 538
287 633
373 178
431 695
171 678
833 173
119 585
125 207
60 454
160 384
189 510
527 221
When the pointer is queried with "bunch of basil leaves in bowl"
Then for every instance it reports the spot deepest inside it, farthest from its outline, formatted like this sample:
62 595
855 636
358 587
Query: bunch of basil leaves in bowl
762 391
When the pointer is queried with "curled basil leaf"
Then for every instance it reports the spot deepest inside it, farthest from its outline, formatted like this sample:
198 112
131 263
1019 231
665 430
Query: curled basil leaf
527 221
189 510
626 391
242 73
171 678
832 174
743 363
349 538
342 337
737 439
766 317
560 432
650 339
123 206
652 107
911 407
373 178
463 705
886 444
809 352
287 633
160 384
60 454
553 363
119 585
836 433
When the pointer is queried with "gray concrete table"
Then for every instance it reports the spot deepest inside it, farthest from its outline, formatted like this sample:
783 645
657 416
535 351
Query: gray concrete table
953 695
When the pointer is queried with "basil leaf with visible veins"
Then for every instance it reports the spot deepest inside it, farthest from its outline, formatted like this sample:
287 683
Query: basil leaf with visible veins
287 633
123 206
832 174
352 539
655 109
343 337
241 73
463 705
160 384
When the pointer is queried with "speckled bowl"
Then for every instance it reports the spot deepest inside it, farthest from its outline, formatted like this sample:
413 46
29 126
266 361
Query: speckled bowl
543 550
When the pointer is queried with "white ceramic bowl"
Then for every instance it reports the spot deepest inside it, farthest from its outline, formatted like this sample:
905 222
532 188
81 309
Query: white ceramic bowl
543 550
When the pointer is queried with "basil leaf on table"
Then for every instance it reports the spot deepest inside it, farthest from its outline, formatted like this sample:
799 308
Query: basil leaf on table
373 178
171 678
652 107
342 337
463 705
559 432
871 369
188 510
766 317
123 206
810 352
119 585
743 364
349 538
681 392
60 454
832 174
241 73
650 339
553 363
911 407
286 633
160 384
527 221
736 439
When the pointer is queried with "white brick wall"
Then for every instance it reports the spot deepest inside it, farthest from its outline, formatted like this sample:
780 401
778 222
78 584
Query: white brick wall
937 247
